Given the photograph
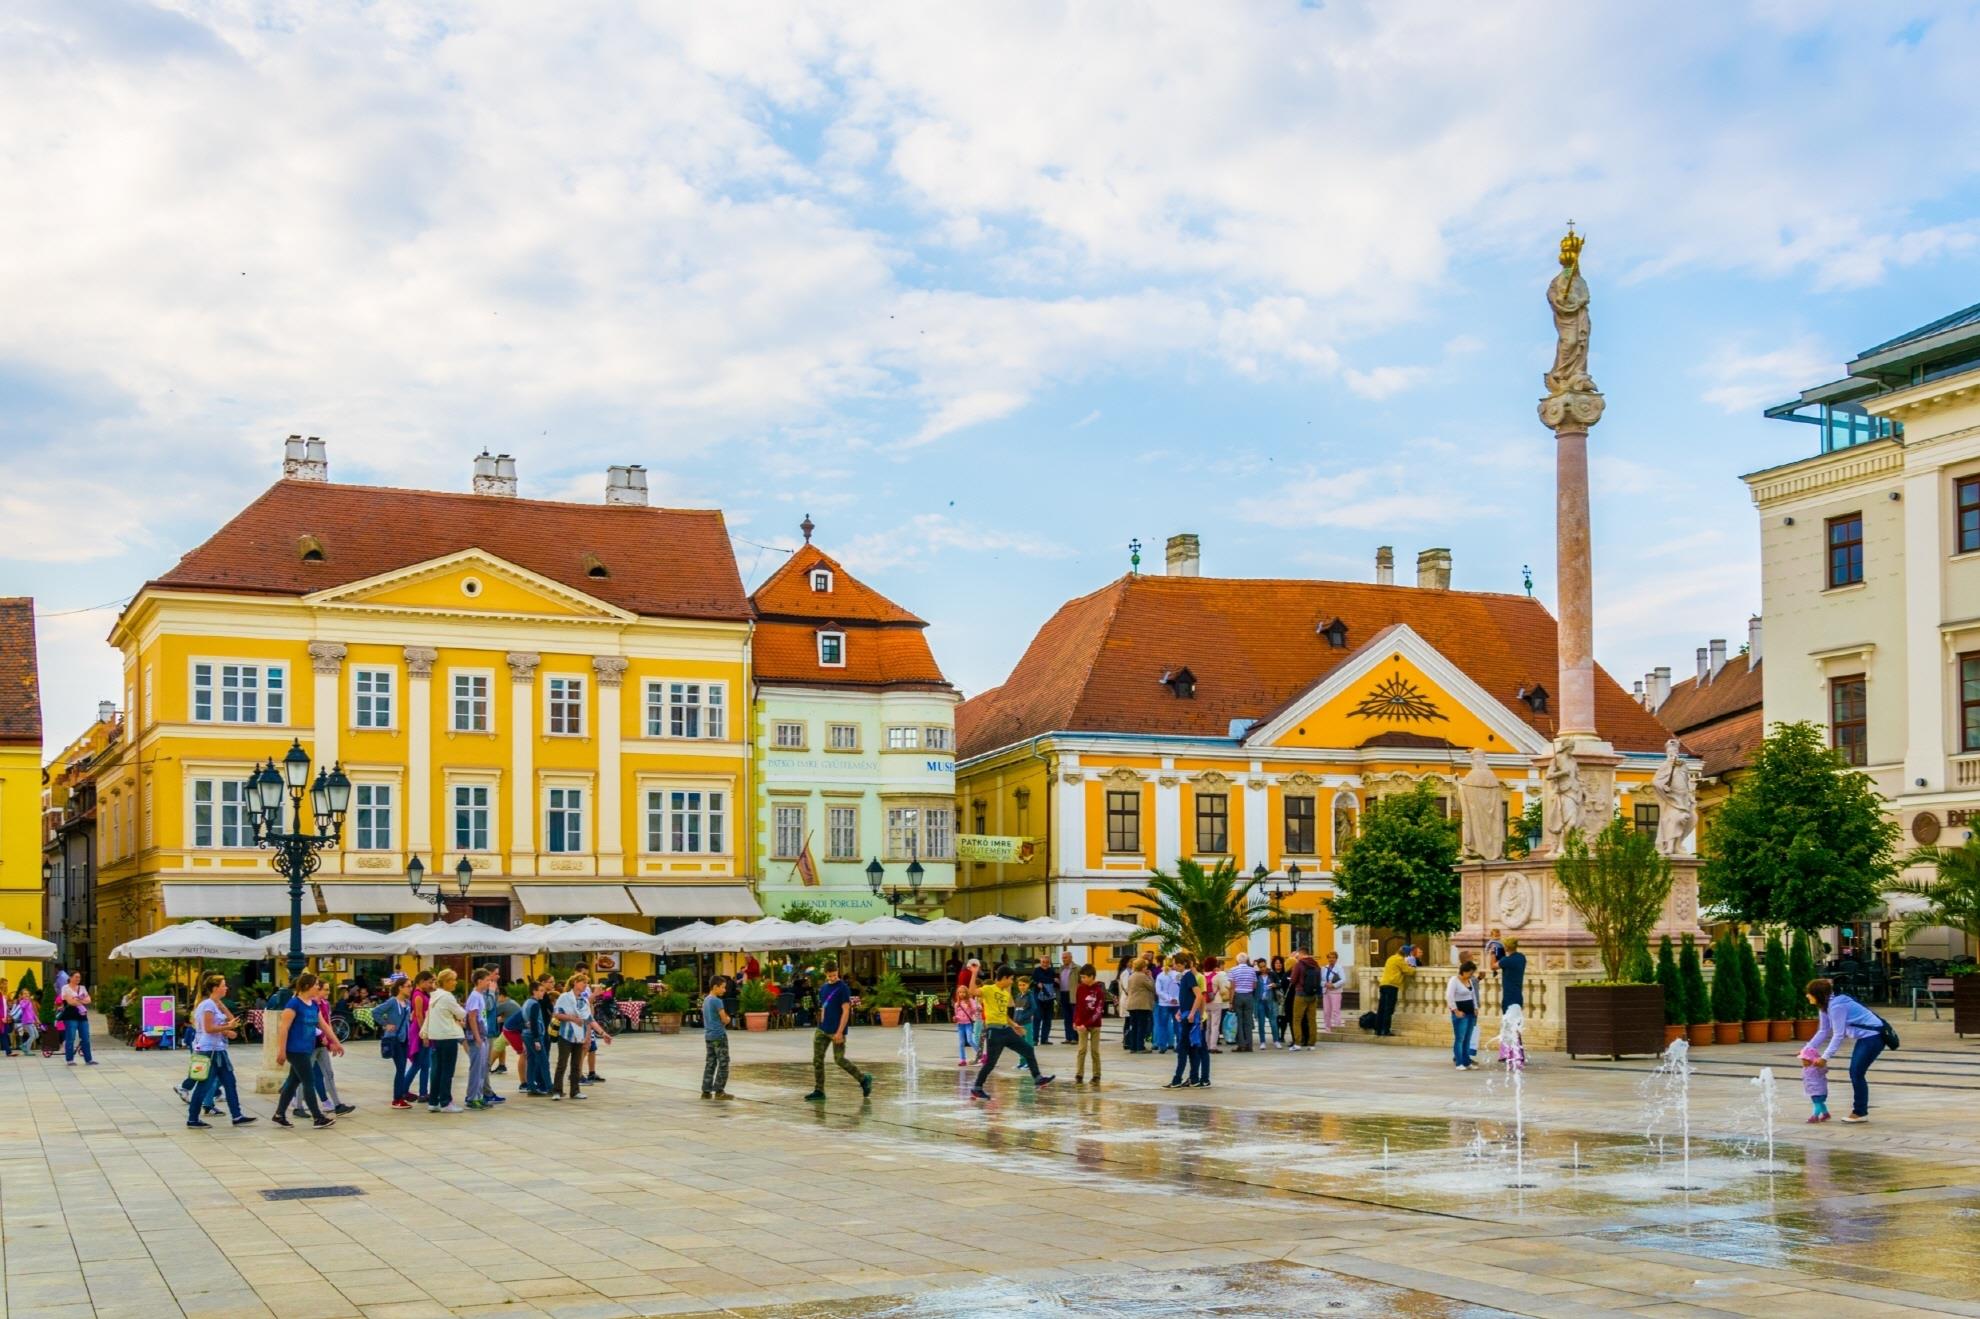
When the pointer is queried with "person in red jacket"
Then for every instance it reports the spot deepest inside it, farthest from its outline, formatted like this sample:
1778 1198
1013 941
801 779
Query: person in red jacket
1089 1006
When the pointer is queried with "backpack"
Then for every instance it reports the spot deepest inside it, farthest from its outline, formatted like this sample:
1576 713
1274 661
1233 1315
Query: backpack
1309 979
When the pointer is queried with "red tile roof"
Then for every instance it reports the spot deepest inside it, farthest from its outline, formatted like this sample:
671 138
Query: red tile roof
20 676
788 594
662 562
1727 744
1253 645
885 644
1720 721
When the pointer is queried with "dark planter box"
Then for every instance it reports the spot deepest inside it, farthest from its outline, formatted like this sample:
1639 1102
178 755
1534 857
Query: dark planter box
1966 1005
1613 1020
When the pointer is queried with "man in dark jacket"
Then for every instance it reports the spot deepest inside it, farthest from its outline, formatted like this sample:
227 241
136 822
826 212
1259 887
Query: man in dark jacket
1306 989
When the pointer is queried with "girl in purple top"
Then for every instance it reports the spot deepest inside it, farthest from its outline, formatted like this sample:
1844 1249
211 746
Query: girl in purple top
1844 1018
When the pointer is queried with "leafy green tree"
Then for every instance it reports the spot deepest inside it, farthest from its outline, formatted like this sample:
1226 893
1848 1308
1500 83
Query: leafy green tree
1697 1006
1638 969
1802 841
1204 911
805 913
1801 970
1951 897
1672 982
1728 989
1398 872
1750 989
1619 886
1780 992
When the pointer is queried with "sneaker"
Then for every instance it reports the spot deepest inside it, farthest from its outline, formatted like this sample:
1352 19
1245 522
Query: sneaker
962 1062
342 1109
1816 1117
723 1094
281 1120
816 1096
707 1094
1853 1117
503 1070
491 1100
453 1108
979 1094
201 1125
402 1103
575 1098
866 1084
473 1103
243 1119
558 1096
1079 1080
1173 1085
325 1122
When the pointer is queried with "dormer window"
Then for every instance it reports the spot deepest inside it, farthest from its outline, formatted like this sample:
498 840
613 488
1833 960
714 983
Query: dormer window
1336 634
832 650
595 568
310 548
1535 698
1181 684
821 579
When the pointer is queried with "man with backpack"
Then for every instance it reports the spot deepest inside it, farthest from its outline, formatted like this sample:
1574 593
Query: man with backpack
1306 988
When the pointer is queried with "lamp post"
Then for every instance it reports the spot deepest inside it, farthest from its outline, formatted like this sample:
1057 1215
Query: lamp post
416 871
296 848
875 876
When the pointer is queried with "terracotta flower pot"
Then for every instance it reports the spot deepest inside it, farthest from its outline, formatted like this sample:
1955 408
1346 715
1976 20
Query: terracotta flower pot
1805 1028
1672 1034
1727 1032
1700 1035
1780 1031
667 1023
889 1016
1754 1032
756 1021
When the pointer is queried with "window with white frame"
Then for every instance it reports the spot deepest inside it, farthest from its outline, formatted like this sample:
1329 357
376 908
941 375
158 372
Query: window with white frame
563 824
926 832
842 833
688 821
470 702
832 649
903 737
842 737
371 698
937 737
787 735
687 709
217 817
821 579
788 831
471 817
371 809
564 698
239 693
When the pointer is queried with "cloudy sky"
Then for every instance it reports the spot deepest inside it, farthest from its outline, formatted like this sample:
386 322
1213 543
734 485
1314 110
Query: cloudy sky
988 290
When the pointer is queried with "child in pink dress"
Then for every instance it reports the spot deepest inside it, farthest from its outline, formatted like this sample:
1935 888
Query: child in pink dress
1815 1083
968 1016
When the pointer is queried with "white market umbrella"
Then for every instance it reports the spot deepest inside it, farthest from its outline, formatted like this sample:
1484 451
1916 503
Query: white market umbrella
334 938
946 929
453 938
1045 930
24 947
683 939
893 932
592 935
193 939
762 935
1104 929
992 931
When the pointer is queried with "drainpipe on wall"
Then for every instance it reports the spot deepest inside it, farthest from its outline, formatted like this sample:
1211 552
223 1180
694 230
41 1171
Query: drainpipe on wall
1051 791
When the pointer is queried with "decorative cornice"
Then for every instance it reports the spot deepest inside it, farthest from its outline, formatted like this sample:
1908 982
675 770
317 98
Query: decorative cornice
611 669
1825 472
420 661
327 656
522 665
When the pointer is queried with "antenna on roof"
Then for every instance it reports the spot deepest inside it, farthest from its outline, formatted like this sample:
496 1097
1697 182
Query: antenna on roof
807 527
1528 572
1134 557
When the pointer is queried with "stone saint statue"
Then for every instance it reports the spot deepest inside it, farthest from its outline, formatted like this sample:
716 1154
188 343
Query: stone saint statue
1562 806
1480 794
1572 401
1677 801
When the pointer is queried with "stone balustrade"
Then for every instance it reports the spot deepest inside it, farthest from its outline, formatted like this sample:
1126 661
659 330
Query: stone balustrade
1422 1018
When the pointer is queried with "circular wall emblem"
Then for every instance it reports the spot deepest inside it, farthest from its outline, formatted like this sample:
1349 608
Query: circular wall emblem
1925 828
1514 904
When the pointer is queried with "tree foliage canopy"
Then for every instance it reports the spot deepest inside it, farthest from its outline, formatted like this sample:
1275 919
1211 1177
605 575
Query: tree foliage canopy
1802 841
1619 887
1951 897
1205 911
1399 872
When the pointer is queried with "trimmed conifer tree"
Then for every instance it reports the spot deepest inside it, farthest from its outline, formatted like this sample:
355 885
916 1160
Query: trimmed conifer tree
1780 992
1672 982
1728 987
1697 1005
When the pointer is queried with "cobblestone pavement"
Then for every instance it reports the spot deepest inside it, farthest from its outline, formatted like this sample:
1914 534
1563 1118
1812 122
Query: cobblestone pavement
1072 1201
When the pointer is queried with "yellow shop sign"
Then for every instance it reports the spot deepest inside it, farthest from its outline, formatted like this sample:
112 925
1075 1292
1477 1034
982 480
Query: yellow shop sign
992 847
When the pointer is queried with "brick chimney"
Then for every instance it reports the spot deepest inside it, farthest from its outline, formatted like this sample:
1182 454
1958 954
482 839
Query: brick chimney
1752 641
1433 570
1385 565
1185 555
625 485
305 459
495 474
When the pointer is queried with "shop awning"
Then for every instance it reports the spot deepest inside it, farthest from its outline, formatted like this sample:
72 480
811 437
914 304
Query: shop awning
373 900
695 900
230 901
575 899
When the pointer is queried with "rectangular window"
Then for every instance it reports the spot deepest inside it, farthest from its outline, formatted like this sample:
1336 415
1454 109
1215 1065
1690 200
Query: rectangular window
1845 549
689 821
832 649
938 833
1123 820
1966 516
470 702
1849 710
564 827
937 738
1302 826
218 820
906 738
684 709
842 832
202 701
238 693
842 737
371 805
1969 702
470 817
903 832
371 698
564 695
149 715
1645 817
788 736
1213 823
788 829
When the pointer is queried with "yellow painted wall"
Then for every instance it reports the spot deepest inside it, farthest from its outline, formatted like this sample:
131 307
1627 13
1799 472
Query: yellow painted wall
1405 699
22 900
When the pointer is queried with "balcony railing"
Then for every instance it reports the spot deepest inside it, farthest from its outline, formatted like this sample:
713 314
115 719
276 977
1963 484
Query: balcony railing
1966 771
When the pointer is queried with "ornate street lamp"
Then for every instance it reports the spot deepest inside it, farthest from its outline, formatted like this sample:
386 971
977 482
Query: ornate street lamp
875 880
463 877
296 851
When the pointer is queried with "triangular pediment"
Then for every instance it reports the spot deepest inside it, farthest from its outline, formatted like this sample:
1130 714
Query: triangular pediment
470 582
1399 691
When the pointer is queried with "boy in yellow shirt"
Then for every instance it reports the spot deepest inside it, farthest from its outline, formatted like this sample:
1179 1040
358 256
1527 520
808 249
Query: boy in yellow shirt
1002 1035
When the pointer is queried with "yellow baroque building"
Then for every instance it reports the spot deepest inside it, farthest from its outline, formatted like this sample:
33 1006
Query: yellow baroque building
545 689
21 885
1253 720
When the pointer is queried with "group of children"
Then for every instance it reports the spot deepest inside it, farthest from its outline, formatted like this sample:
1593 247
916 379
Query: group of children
990 1018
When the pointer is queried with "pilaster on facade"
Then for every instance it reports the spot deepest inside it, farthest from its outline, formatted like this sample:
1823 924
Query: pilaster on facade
610 671
522 755
419 747
326 662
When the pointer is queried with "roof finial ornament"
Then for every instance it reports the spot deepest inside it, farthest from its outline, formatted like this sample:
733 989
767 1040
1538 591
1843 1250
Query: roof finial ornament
807 527
1527 570
1134 557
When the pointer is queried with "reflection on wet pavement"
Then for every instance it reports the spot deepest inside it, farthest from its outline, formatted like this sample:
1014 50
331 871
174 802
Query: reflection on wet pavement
1254 1290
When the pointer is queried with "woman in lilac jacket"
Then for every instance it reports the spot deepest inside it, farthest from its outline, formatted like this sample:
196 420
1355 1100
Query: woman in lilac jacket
1844 1018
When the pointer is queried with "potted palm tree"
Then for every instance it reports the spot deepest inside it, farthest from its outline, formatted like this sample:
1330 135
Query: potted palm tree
1949 897
1619 886
889 997
757 1001
1204 912
1697 998
1801 970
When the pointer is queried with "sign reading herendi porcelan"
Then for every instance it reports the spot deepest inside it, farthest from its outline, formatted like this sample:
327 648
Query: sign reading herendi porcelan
992 847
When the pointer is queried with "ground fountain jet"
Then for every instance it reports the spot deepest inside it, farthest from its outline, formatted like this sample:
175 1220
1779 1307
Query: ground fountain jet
1512 1055
1765 1084
910 1061
1669 1092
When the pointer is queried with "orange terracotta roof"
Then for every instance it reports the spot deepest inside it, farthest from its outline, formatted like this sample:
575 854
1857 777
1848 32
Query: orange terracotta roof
788 594
1253 645
876 656
20 675
1691 704
1727 744
663 562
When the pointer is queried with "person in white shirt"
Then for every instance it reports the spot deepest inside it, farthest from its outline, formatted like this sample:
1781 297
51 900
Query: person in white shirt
1461 997
1165 1006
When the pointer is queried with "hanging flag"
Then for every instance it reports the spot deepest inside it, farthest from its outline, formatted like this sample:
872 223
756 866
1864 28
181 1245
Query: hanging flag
806 868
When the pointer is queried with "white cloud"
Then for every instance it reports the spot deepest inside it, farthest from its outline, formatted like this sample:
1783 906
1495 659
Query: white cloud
1383 381
1745 380
927 535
